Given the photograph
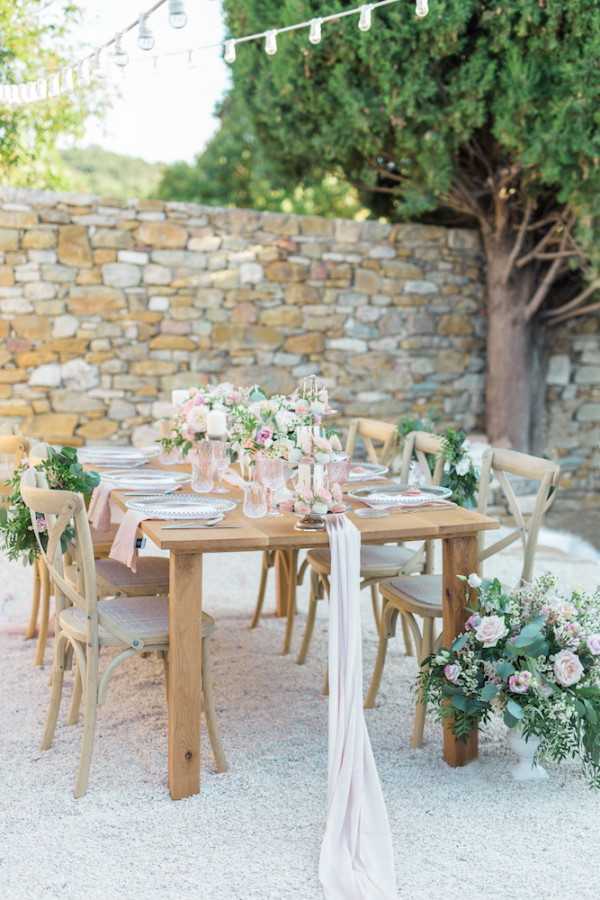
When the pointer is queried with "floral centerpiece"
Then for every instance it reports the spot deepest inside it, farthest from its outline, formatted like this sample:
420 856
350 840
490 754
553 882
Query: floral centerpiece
63 471
189 425
532 655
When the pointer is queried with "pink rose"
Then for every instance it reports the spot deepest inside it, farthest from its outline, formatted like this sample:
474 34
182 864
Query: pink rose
567 668
490 630
472 622
593 643
452 672
520 682
264 435
301 407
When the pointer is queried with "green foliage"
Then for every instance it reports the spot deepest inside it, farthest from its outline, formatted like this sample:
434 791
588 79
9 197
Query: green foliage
30 46
93 170
460 472
63 472
232 170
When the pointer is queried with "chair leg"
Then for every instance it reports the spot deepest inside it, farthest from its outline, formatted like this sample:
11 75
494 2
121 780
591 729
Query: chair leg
387 627
90 711
58 673
35 602
40 649
376 606
302 572
406 637
421 708
310 620
262 588
73 717
212 724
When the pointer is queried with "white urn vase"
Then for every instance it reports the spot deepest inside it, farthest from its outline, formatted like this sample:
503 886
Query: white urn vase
525 768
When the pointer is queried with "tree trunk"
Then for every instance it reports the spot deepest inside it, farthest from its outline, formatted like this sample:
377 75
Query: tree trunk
509 350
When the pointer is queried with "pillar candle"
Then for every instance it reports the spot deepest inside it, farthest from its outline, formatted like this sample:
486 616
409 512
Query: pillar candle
216 423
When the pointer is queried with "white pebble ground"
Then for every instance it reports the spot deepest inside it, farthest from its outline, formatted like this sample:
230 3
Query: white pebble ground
255 832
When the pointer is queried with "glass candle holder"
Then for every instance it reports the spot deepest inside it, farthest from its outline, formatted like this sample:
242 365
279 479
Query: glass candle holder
220 458
270 473
203 468
255 500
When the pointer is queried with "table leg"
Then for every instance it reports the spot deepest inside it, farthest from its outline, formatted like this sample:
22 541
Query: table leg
282 577
185 673
460 558
292 586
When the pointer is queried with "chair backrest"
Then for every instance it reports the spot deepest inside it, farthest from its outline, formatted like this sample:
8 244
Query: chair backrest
499 464
426 450
17 447
52 512
371 432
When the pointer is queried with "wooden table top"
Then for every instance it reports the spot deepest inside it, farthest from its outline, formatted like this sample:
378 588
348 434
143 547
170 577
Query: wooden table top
278 532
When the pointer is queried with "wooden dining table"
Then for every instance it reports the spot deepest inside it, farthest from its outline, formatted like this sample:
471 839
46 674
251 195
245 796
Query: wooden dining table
457 528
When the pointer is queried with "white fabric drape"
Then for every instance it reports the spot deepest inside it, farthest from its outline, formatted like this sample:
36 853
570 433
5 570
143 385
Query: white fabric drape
357 861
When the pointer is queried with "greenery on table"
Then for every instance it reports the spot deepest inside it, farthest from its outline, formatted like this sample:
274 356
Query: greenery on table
483 113
460 475
531 655
63 472
32 44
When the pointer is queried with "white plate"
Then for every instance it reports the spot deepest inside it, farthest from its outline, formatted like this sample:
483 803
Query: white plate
366 471
178 508
160 479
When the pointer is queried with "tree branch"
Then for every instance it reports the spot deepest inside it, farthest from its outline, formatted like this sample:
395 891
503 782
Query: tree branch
518 245
549 278
578 312
575 302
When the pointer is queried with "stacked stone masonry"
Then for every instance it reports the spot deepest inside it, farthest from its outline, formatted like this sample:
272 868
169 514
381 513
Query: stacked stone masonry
105 307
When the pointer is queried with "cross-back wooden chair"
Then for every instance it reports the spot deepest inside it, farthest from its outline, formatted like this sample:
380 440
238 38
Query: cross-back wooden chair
380 441
420 596
83 626
378 563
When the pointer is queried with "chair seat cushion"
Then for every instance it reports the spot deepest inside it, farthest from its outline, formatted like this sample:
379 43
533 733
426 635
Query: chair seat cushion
374 560
152 576
419 593
143 619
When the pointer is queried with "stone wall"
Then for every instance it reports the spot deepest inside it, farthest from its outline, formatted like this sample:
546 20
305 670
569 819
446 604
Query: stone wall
106 307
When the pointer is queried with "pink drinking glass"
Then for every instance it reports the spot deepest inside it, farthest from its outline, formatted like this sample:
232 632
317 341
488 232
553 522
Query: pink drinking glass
220 458
270 472
203 468
338 471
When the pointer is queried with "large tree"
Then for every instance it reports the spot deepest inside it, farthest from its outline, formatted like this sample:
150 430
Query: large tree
34 37
487 111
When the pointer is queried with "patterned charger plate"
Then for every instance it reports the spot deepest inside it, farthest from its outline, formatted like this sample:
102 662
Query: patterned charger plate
182 508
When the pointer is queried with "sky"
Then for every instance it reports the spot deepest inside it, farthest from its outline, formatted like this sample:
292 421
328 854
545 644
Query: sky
161 113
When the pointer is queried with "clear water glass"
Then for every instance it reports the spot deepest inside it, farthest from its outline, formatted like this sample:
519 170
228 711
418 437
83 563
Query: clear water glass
338 471
203 468
255 500
270 471
220 458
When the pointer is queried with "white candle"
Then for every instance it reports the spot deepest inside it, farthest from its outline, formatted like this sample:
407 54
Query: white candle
216 423
179 397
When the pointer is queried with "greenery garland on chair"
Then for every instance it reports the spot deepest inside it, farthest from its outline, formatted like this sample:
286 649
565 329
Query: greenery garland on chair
63 471
460 472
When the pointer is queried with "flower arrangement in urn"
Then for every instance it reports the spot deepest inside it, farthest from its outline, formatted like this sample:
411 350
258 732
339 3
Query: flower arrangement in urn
532 655
209 410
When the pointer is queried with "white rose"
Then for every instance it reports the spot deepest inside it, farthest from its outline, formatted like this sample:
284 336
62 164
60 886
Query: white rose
474 580
490 630
462 467
567 668
196 419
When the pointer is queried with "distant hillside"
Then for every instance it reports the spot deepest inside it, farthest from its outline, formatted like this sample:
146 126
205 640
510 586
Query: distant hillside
93 170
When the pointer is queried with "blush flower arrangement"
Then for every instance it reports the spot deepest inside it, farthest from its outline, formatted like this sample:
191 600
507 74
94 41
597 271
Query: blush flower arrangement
189 424
531 655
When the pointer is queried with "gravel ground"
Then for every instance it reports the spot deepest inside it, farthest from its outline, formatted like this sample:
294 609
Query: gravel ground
255 832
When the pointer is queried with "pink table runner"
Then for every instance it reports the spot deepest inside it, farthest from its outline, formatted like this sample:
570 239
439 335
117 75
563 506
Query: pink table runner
357 861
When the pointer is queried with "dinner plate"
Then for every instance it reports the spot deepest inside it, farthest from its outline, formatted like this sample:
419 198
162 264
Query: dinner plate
178 508
366 471
147 479
397 495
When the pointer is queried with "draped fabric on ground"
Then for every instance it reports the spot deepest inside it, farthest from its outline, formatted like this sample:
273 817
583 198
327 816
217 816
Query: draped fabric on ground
357 860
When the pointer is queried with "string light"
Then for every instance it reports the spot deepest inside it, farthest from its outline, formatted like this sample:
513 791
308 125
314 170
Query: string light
314 34
94 65
145 38
177 14
364 22
230 53
120 56
271 43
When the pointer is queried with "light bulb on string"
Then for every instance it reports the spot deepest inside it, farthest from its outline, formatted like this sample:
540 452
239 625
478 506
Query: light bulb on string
145 39
177 14
271 43
314 34
364 22
422 8
230 53
120 56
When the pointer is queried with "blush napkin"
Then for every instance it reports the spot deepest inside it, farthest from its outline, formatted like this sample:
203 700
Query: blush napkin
99 509
124 549
357 860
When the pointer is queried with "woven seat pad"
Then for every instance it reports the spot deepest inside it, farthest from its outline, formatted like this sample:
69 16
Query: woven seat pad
152 573
373 560
140 618
417 592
